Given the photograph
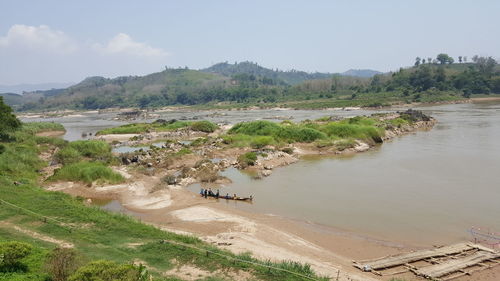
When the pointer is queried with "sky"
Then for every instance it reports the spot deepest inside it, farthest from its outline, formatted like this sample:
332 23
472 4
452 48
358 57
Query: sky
66 41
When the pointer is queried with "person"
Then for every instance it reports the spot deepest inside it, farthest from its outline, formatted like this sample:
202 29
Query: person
251 197
227 196
210 192
217 194
206 193
202 192
234 196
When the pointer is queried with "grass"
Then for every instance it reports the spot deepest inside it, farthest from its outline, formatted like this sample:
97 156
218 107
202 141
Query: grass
139 128
37 127
98 234
87 172
258 134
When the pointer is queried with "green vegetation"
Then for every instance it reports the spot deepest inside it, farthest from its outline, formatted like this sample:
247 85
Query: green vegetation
160 126
204 126
247 159
107 270
87 172
37 127
8 121
258 134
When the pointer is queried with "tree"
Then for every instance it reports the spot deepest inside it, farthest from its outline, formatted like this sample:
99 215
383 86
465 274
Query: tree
423 61
417 61
11 253
444 58
8 121
459 59
61 262
485 65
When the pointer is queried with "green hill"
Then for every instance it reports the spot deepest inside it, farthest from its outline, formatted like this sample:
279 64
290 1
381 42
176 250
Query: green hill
291 77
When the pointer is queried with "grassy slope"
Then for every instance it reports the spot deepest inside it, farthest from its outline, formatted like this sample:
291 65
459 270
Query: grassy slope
97 234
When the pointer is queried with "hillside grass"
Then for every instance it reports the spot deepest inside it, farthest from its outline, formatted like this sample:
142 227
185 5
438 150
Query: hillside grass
87 172
98 234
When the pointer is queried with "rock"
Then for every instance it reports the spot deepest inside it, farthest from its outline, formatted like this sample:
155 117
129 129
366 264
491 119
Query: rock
266 173
125 160
268 167
361 147
149 164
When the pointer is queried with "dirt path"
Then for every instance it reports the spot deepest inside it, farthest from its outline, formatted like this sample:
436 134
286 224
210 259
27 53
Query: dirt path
37 235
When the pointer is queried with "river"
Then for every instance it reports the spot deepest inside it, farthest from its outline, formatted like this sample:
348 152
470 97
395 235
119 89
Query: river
429 187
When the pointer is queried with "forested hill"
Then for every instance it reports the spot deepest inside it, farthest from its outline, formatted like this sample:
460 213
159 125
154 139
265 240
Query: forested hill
247 84
292 77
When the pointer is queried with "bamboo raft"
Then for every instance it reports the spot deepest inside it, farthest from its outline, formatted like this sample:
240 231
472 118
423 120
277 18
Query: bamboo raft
443 263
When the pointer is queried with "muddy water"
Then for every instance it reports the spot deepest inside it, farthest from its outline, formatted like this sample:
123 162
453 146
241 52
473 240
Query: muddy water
426 188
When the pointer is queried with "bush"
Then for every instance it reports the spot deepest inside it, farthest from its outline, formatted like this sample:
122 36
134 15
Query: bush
87 172
287 150
204 126
91 148
37 127
61 262
11 254
247 159
256 128
68 155
106 271
261 141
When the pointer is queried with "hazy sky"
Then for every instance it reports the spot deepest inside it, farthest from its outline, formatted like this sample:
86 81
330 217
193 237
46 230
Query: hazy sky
66 41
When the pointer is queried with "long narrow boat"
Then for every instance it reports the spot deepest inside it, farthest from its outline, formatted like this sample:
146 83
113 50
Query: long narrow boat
231 198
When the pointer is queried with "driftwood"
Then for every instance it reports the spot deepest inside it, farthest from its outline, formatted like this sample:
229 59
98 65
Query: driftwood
445 262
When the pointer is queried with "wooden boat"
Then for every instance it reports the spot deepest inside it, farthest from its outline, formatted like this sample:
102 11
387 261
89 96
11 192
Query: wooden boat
248 199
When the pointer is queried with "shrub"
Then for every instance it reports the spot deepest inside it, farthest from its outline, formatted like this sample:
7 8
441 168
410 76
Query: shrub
288 150
256 128
91 148
261 141
204 126
87 172
106 271
11 254
61 262
68 155
247 159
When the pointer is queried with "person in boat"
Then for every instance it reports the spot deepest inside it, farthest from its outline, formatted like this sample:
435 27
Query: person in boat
251 197
227 196
210 192
202 192
234 196
205 193
217 194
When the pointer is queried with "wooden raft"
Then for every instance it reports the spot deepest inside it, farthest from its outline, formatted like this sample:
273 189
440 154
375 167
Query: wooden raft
441 261
455 265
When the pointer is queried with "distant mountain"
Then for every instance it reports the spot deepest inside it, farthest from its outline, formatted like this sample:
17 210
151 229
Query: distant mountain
367 73
20 88
12 99
292 77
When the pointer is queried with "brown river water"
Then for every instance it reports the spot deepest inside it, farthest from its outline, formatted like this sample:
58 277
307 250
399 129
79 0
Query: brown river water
429 187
